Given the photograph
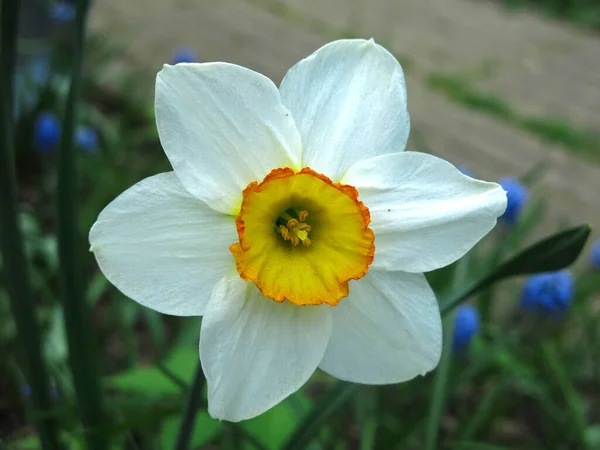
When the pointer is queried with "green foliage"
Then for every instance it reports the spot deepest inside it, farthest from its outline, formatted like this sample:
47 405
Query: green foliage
551 254
204 431
152 380
525 381
552 130
585 13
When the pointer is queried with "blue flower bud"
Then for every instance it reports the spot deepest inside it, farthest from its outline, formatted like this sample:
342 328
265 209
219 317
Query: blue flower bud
46 133
183 55
62 12
86 139
595 254
466 171
516 195
548 293
466 325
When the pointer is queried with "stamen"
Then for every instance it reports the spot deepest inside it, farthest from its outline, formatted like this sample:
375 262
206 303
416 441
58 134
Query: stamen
285 233
294 230
302 215
292 223
294 239
304 226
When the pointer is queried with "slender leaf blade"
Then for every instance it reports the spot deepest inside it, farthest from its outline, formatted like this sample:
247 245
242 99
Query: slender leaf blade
550 254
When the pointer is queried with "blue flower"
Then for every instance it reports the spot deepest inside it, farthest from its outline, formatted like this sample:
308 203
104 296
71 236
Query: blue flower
516 195
466 171
548 293
86 139
595 254
466 325
62 12
46 133
183 55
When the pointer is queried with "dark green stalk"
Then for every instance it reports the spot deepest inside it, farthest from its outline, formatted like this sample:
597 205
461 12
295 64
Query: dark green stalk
15 265
189 414
328 404
248 437
77 315
437 406
172 376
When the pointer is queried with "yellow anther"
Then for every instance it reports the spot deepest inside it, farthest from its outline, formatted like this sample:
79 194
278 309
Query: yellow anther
304 226
285 233
295 230
294 239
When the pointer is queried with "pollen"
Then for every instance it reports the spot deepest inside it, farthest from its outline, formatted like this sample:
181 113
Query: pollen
302 237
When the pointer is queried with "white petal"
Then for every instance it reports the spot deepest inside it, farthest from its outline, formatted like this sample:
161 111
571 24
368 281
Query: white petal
163 247
223 126
387 330
425 214
254 351
349 102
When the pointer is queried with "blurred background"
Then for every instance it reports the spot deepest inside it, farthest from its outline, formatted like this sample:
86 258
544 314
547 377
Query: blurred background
507 90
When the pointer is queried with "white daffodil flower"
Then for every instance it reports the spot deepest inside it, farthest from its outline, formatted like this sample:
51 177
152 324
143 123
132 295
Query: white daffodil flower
295 224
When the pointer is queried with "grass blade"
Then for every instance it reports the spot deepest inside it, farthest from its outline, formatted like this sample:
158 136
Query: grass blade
11 241
438 399
573 403
552 253
82 354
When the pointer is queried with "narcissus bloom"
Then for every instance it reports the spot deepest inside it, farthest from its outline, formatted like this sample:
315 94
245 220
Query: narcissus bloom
295 224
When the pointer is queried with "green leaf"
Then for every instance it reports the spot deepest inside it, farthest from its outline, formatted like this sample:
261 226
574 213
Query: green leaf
553 253
151 380
273 427
550 254
205 429
328 404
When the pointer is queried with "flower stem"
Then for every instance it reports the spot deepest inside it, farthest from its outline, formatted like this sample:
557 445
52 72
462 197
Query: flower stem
82 354
189 414
438 399
437 406
15 265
